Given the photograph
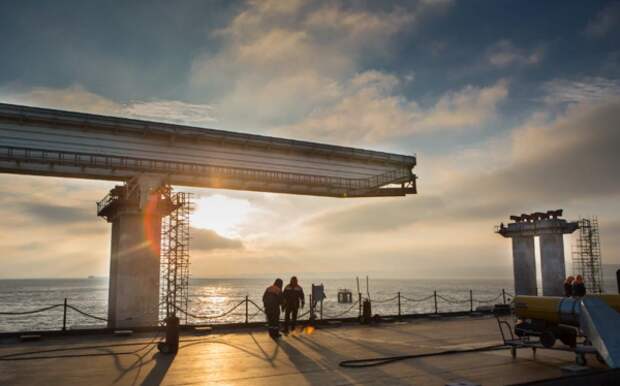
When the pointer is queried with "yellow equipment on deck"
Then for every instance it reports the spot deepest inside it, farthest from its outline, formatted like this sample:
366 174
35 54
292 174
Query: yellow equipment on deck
557 310
595 318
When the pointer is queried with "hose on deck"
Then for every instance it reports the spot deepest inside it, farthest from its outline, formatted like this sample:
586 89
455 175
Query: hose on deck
379 361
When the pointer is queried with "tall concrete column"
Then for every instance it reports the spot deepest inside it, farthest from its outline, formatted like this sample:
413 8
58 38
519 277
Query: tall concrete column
552 264
524 265
551 228
135 212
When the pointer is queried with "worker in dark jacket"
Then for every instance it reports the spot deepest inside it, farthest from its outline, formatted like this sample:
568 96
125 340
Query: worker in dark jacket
568 286
579 287
293 298
272 301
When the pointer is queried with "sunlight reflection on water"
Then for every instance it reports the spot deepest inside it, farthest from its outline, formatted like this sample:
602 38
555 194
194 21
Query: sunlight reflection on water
215 296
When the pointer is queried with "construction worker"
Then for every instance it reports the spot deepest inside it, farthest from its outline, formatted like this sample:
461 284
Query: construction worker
293 298
579 288
272 301
568 286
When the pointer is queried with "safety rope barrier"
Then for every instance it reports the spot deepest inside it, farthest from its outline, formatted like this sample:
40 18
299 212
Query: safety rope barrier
254 315
385 300
32 311
86 314
260 310
342 313
210 316
489 300
453 300
256 305
416 300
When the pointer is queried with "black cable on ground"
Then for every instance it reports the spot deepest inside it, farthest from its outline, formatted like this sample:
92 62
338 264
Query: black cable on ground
371 362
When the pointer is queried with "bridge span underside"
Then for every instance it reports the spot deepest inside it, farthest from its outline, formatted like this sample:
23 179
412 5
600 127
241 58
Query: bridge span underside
67 144
150 156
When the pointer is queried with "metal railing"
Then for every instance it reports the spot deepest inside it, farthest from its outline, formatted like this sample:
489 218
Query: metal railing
77 159
314 312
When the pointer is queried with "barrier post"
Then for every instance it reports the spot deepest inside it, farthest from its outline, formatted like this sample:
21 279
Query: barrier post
246 309
359 301
504 295
471 301
398 304
435 296
64 316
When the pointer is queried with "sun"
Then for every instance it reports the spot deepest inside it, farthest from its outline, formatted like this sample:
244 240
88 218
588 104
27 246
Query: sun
220 213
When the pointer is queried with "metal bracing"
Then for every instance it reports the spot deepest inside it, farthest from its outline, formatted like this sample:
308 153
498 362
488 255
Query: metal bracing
174 276
66 144
587 260
94 166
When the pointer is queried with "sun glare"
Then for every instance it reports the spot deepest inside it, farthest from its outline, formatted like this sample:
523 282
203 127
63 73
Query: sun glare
221 214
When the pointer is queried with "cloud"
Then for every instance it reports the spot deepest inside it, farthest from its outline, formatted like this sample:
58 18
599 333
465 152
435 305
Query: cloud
504 54
225 265
277 64
610 243
469 107
574 156
57 214
74 98
369 110
586 89
51 229
568 161
175 111
206 240
605 21
386 215
77 98
358 30
294 69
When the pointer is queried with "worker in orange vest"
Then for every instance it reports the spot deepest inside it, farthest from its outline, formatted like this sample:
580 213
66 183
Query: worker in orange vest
272 301
293 298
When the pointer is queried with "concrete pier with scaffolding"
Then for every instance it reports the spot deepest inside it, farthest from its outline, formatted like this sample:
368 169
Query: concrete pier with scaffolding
551 230
135 211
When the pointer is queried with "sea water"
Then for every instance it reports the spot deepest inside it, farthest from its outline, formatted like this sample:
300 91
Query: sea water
209 298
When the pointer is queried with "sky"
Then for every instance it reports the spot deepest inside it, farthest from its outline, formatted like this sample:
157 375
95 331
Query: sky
511 107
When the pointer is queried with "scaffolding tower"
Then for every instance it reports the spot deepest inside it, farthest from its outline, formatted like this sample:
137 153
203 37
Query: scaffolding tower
587 260
174 274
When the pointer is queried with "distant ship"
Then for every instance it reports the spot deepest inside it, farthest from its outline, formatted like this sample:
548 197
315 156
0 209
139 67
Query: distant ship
91 277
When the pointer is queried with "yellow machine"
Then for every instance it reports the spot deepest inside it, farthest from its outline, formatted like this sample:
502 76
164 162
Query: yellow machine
552 318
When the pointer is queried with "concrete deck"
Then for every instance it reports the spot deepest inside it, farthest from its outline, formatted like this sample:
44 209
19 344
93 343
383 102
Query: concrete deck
250 357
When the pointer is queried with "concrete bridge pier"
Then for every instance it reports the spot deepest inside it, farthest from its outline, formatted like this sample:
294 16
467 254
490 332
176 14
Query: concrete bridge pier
524 263
551 229
135 211
552 264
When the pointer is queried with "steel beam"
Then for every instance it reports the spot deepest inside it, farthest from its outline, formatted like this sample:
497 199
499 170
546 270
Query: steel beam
67 144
